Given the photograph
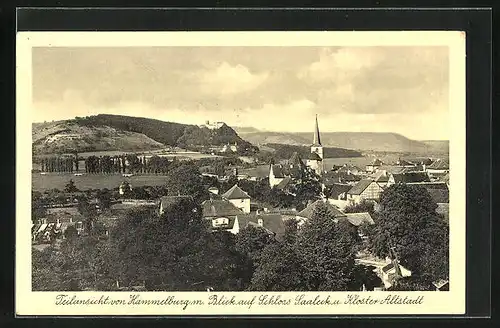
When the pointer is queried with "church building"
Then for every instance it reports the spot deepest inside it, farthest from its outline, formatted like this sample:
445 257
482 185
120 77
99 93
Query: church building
281 175
315 160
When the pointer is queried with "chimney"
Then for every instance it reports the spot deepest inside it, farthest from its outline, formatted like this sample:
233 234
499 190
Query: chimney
260 222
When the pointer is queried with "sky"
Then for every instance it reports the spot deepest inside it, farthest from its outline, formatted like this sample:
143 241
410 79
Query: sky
361 89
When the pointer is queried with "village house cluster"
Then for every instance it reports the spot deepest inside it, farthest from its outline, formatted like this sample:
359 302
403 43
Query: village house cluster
234 209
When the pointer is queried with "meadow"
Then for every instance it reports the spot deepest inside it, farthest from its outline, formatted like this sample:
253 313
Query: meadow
49 181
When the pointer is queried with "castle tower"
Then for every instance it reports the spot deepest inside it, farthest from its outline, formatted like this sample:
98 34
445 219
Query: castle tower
315 160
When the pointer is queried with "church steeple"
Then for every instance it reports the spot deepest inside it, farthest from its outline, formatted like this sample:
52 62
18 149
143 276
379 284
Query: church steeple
316 138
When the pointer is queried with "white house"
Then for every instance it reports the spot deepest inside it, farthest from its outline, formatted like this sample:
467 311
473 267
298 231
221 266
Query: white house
439 167
390 271
238 198
221 214
373 166
365 189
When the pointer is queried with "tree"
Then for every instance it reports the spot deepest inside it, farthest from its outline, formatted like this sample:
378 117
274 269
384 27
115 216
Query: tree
70 187
185 179
175 251
307 189
104 197
364 276
70 232
280 269
37 206
408 222
363 206
88 211
328 251
414 283
252 240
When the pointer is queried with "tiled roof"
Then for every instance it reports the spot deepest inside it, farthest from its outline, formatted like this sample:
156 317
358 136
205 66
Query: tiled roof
376 162
284 183
409 177
336 189
219 208
392 169
360 187
439 164
272 222
380 176
309 210
295 159
235 193
277 170
359 218
314 156
334 177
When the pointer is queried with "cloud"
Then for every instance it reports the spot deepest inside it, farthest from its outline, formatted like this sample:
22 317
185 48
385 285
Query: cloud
226 79
273 88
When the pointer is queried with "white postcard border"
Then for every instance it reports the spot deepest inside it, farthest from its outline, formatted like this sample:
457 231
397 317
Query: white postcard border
28 302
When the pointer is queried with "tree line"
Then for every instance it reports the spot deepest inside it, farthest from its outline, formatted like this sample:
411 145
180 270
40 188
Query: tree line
59 164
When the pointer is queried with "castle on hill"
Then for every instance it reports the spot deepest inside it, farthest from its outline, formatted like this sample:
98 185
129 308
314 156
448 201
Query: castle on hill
280 175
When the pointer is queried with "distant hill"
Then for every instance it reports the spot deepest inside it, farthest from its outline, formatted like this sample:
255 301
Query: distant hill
67 136
361 141
438 145
110 132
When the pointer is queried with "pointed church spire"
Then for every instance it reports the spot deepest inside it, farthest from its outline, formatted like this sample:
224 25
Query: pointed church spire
316 139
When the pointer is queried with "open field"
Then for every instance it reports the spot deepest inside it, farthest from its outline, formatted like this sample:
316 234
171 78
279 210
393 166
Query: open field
179 153
48 181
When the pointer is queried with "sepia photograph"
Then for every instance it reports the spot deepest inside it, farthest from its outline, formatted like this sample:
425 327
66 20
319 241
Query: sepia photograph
256 168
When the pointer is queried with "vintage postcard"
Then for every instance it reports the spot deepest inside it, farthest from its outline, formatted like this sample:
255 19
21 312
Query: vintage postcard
240 173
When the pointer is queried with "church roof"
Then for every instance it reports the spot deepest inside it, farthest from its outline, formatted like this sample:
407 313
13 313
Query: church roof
296 160
316 137
314 156
284 183
235 193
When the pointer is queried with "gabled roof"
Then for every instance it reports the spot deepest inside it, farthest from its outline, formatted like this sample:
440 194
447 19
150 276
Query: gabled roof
314 156
277 170
309 210
409 177
271 222
336 189
219 208
359 218
439 164
376 162
380 176
235 193
296 160
392 169
360 187
284 183
335 177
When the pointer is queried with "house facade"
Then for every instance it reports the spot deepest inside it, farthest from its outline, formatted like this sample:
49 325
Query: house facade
239 198
365 189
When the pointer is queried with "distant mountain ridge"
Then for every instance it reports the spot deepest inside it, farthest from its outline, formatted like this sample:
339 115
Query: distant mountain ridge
361 141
